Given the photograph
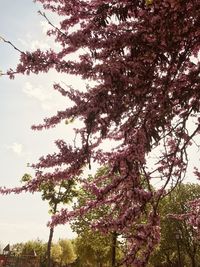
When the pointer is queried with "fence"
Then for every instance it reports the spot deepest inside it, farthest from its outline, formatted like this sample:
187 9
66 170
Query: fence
15 261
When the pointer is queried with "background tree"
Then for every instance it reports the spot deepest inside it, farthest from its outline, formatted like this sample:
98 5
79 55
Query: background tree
63 252
177 237
145 92
93 249
56 252
68 254
56 194
103 249
31 248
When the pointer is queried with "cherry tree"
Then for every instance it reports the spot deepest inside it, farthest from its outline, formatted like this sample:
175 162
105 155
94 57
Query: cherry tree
140 60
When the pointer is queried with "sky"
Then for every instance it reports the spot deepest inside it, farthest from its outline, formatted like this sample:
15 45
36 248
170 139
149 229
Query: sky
25 101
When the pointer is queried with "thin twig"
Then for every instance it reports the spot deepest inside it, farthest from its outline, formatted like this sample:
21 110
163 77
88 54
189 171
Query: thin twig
10 43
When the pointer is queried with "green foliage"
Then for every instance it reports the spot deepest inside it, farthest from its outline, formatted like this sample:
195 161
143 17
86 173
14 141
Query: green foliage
69 121
56 252
177 236
68 255
93 247
82 223
149 2
32 247
61 192
62 252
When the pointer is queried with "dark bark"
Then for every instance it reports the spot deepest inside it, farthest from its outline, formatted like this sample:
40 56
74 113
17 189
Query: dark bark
49 247
50 240
113 249
193 262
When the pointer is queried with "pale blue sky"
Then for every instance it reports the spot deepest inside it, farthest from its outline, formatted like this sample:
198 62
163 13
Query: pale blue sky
24 101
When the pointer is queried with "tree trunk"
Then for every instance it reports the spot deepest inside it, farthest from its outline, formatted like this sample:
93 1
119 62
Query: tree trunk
50 239
113 249
193 262
49 247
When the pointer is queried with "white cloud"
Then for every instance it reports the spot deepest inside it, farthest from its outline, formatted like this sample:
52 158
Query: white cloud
38 93
16 148
39 44
47 97
45 26
32 45
33 42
